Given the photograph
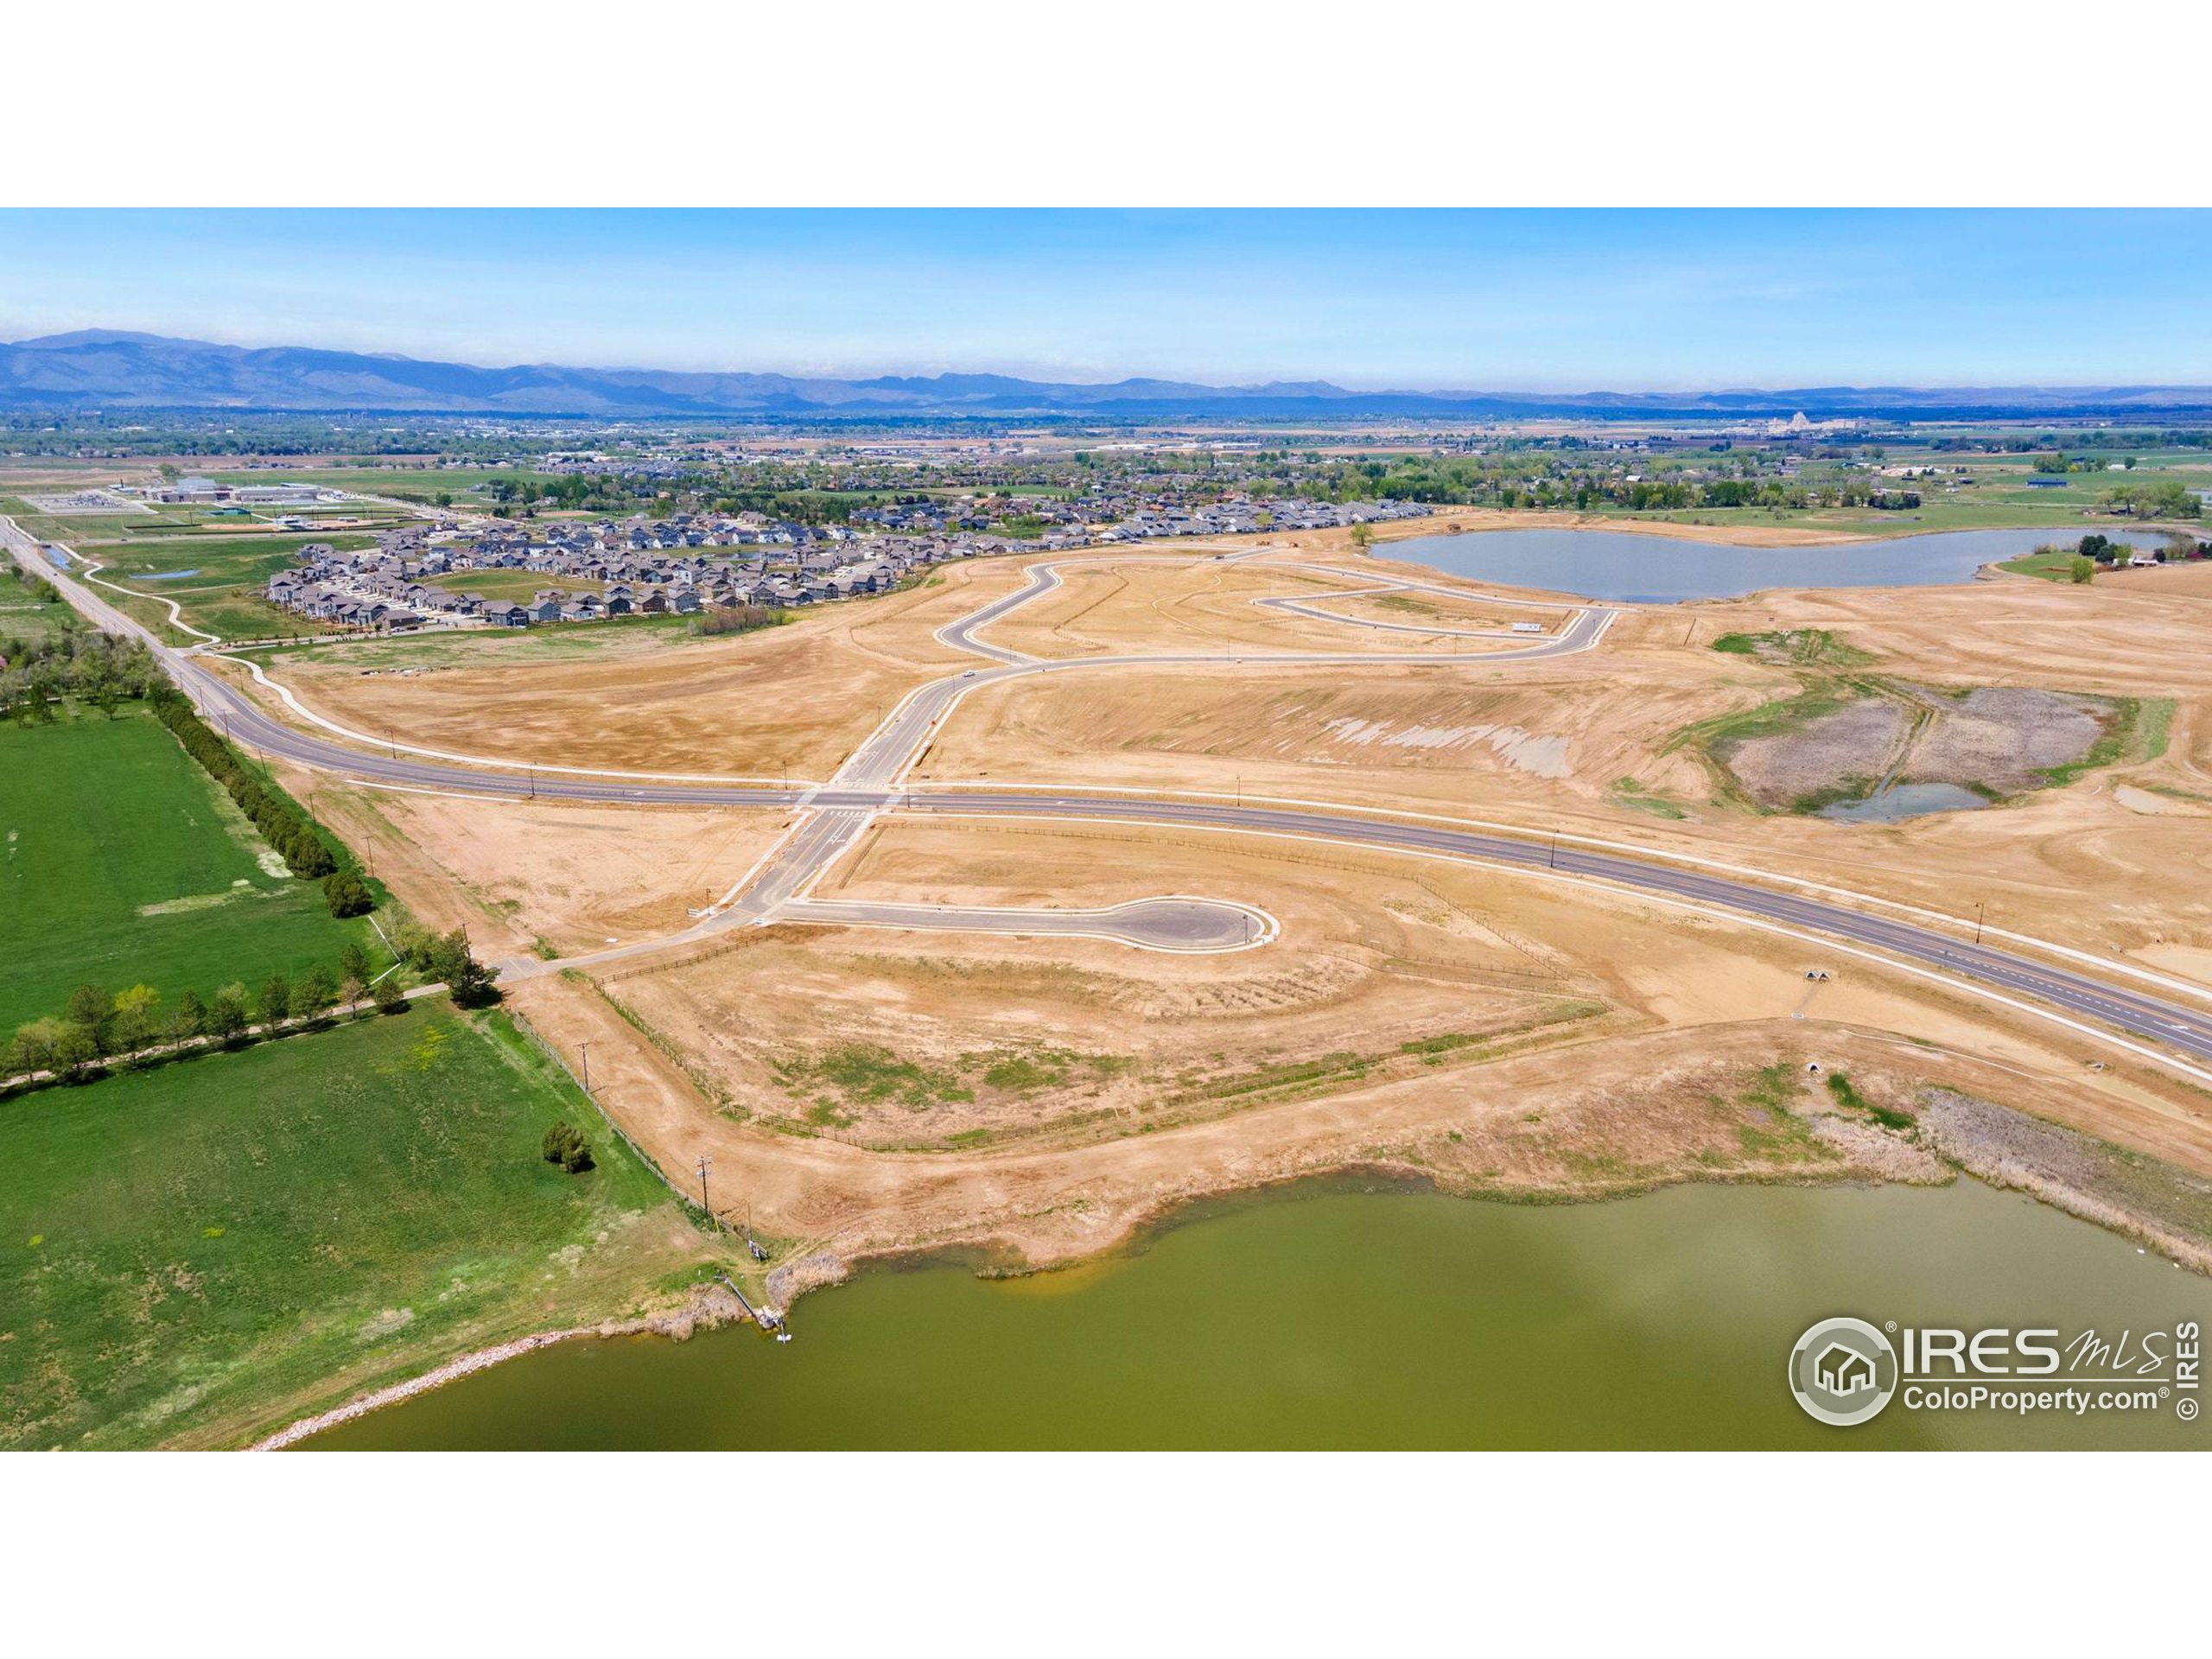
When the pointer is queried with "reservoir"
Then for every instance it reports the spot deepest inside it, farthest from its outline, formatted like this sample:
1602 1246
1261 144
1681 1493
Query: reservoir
1646 570
1331 1317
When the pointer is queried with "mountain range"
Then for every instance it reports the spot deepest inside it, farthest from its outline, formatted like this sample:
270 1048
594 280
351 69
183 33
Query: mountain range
107 370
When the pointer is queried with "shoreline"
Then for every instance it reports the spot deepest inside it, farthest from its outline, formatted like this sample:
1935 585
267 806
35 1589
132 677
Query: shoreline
1959 1155
678 1326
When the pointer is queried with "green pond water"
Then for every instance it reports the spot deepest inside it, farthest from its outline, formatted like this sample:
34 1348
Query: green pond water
1335 1318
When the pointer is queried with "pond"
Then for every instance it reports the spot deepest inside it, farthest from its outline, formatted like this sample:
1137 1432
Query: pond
1901 801
1335 1318
1638 568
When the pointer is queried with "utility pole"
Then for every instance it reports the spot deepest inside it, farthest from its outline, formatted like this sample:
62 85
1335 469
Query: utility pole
1979 905
584 1049
1554 857
705 1164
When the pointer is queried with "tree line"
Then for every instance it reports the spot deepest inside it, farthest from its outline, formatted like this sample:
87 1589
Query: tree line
282 824
105 669
135 1025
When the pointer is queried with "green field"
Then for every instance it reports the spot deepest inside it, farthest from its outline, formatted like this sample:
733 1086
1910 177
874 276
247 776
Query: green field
205 1250
401 482
223 594
126 865
23 615
2051 563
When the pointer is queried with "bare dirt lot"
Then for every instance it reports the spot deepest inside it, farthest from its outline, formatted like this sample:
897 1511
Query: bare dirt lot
790 700
874 1089
526 875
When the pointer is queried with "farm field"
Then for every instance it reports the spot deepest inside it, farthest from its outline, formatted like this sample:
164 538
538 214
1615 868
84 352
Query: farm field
201 1252
130 867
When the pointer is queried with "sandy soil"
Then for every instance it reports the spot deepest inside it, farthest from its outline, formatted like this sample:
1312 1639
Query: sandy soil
1077 1038
1064 1090
572 876
1152 601
1373 959
788 701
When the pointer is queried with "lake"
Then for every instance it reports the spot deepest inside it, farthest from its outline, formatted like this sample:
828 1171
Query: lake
1328 1317
1660 569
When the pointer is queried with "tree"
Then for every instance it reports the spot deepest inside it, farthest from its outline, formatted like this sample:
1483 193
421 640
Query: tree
564 1145
346 894
469 980
89 1010
276 1000
226 1014
2083 570
389 998
74 1051
313 995
353 962
37 1043
133 1026
1362 537
188 1019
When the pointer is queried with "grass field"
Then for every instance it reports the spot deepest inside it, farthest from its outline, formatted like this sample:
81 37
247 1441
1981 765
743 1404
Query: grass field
205 1250
2051 563
127 865
222 593
401 482
22 614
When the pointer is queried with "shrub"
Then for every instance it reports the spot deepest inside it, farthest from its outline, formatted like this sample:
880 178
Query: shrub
347 894
565 1145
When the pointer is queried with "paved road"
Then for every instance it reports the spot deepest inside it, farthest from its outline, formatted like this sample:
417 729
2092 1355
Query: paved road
840 810
1182 925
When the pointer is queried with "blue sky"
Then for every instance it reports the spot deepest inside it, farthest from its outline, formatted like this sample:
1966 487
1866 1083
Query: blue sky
1434 299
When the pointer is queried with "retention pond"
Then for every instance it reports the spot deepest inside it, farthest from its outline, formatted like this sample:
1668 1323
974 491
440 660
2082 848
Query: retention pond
1335 1317
1639 569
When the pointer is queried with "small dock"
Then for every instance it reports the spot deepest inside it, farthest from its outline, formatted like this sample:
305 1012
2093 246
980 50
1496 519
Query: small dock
760 1316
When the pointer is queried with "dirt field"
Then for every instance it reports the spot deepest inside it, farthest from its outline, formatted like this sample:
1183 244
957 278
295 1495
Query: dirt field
791 701
866 1090
1392 980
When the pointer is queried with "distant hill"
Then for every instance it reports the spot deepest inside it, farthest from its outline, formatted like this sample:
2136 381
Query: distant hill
109 370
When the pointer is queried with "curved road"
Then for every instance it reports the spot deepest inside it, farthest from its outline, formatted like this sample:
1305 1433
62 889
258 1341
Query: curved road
836 813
